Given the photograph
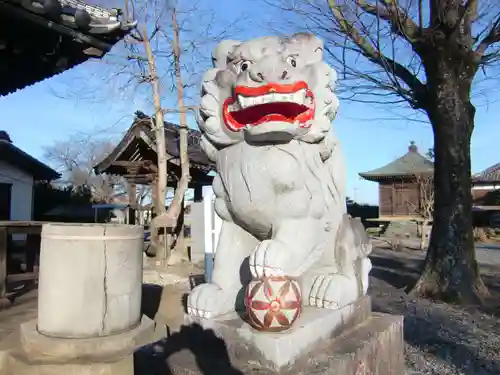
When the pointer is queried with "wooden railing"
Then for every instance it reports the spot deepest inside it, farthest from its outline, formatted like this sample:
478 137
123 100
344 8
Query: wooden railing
33 231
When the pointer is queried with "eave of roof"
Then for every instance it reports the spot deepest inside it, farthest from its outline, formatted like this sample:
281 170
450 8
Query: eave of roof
489 175
13 155
410 164
141 127
76 43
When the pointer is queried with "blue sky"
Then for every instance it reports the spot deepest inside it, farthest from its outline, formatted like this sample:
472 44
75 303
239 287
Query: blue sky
371 137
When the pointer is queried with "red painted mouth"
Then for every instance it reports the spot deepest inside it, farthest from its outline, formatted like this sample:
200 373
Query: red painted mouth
292 103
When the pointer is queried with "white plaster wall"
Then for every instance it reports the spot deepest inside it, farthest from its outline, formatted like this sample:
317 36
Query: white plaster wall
21 203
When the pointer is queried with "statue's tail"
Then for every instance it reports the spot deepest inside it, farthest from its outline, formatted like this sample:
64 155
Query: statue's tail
352 248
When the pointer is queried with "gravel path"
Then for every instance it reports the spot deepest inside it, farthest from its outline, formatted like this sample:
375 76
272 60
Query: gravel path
441 339
488 254
485 253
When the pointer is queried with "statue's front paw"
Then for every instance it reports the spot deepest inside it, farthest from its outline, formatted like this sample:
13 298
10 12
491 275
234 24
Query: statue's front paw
333 291
270 258
208 301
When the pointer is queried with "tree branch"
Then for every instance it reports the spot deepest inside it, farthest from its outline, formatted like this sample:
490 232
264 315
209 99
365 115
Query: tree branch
490 39
400 21
378 58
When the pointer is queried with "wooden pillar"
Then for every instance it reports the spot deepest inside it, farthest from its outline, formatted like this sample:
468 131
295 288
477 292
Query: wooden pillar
154 194
132 201
393 195
33 243
181 243
3 267
198 193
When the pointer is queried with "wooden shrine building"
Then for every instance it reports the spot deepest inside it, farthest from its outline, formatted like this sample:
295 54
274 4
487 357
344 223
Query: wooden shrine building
399 192
135 158
486 187
42 38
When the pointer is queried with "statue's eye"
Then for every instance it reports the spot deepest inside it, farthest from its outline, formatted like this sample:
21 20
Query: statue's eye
244 65
291 60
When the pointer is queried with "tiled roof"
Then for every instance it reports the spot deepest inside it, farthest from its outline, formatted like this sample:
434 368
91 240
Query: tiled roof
76 14
42 38
11 154
130 147
491 174
410 164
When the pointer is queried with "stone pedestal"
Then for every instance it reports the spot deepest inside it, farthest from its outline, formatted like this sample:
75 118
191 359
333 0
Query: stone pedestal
112 355
89 303
349 341
90 279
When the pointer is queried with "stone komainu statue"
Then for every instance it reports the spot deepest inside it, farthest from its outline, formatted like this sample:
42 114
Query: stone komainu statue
266 113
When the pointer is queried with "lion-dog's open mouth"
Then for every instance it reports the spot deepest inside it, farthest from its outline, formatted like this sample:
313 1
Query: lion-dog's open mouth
292 103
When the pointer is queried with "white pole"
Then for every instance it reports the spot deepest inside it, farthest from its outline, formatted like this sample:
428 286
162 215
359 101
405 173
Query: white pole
217 228
208 232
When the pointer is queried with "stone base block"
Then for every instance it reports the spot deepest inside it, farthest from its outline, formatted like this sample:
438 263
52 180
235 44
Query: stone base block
39 348
124 366
280 349
5 303
37 354
374 347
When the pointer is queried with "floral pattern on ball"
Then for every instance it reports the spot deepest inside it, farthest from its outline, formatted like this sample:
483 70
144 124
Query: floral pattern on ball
273 303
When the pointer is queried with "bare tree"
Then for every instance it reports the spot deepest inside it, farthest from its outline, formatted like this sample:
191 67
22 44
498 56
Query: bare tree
75 158
170 218
427 55
423 208
165 219
167 52
143 37
165 33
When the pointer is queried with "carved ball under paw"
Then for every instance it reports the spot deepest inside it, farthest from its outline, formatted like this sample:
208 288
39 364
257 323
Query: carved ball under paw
273 304
207 301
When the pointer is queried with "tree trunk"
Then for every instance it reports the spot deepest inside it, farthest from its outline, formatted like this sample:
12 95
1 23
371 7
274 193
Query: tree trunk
158 128
175 209
450 271
170 218
161 152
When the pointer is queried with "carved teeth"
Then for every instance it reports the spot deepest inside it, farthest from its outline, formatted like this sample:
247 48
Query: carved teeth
298 97
234 107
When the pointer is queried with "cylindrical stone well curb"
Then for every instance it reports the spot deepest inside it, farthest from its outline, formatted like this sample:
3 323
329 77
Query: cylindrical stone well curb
90 279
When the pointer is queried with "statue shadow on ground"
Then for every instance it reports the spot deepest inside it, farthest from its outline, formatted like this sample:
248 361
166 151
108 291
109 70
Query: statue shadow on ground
194 345
431 331
399 274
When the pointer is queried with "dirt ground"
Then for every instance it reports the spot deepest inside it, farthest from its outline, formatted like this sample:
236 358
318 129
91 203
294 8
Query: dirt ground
441 339
166 304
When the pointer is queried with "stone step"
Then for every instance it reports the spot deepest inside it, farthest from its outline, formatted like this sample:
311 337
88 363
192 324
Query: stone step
26 352
373 347
9 344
